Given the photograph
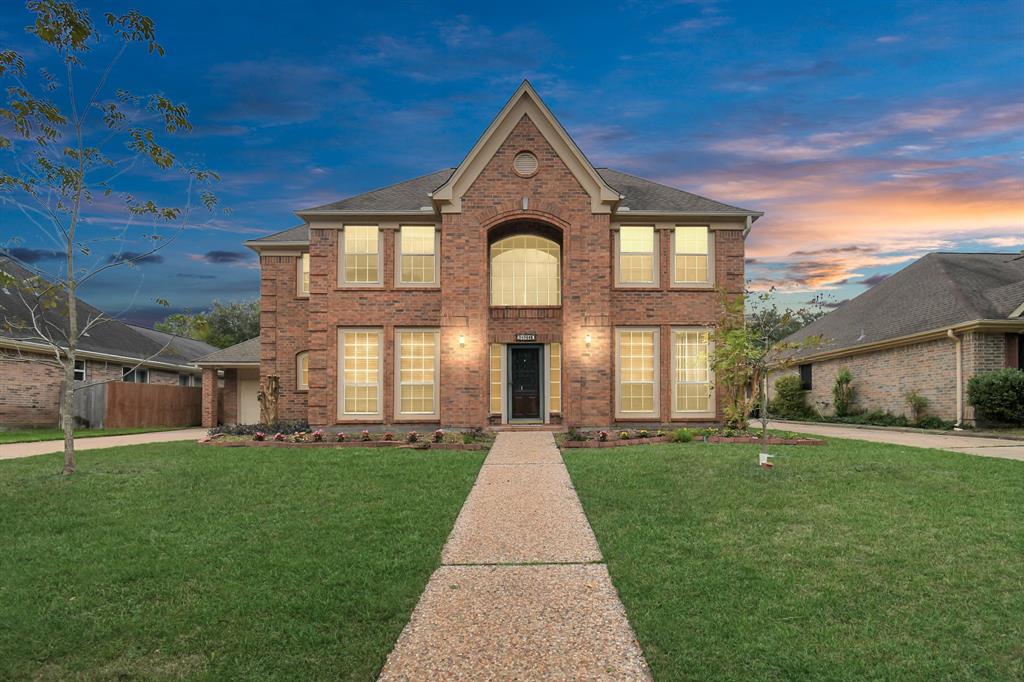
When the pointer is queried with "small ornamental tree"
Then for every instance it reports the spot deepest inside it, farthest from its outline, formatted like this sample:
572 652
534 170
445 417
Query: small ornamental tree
843 393
70 147
747 344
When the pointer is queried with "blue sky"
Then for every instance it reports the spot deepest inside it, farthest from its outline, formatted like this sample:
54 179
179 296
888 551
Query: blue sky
869 132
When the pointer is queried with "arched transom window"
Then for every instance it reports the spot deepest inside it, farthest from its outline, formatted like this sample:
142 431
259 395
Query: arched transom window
526 271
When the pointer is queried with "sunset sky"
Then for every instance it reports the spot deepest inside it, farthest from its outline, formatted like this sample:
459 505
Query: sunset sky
868 132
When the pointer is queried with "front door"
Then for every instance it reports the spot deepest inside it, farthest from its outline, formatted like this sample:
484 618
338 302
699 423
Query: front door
524 382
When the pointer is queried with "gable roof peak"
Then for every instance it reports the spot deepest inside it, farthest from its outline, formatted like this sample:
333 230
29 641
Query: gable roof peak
525 102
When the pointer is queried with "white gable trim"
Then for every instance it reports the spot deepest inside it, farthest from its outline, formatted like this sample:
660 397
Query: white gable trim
525 102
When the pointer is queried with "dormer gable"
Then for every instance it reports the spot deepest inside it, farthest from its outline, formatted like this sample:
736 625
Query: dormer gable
525 102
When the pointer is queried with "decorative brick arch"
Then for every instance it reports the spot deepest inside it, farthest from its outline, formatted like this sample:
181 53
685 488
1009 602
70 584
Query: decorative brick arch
519 215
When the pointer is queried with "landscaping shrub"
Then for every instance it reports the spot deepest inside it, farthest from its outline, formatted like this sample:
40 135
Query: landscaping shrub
682 436
918 404
930 421
998 396
842 393
285 427
790 401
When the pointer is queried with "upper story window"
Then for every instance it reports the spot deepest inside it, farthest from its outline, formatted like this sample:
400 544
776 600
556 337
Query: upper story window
79 370
636 257
360 255
303 275
417 255
526 271
691 255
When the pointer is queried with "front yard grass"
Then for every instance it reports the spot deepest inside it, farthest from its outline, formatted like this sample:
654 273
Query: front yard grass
36 435
848 561
181 561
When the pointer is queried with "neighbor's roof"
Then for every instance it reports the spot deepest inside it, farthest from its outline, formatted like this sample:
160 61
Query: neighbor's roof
938 291
241 353
182 345
109 337
414 195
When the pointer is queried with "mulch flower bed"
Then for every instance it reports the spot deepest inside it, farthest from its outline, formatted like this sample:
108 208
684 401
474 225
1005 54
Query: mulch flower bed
346 444
622 442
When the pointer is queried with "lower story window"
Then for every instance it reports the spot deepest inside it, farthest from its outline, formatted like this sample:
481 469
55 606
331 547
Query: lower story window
184 380
360 373
134 375
302 371
692 381
497 353
636 364
417 372
79 370
555 382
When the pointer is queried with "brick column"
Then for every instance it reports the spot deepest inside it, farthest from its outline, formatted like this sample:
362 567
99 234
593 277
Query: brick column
210 390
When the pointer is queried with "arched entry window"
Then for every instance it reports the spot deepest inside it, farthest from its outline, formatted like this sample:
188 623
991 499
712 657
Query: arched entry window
526 271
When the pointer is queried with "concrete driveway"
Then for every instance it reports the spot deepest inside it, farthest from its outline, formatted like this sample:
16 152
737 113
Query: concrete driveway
45 447
970 445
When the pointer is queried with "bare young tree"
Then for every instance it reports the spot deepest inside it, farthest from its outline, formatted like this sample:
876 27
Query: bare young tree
70 151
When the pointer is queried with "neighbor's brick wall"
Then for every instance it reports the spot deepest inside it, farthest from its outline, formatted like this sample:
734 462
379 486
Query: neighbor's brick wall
284 330
30 391
882 379
982 353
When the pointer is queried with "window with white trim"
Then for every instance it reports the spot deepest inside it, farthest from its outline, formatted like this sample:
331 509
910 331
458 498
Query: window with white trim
418 361
636 364
360 255
137 375
79 370
302 371
303 274
417 254
555 379
692 377
526 271
691 262
637 255
497 385
184 380
360 374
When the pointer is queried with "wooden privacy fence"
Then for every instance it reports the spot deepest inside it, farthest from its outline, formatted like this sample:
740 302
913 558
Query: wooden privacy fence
117 405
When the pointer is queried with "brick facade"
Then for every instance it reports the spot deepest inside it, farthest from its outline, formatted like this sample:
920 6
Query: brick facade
555 203
30 388
881 379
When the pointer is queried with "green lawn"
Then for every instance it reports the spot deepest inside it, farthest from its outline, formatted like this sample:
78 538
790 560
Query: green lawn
846 562
34 435
177 560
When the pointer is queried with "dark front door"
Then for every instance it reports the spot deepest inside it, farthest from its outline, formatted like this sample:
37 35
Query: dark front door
524 379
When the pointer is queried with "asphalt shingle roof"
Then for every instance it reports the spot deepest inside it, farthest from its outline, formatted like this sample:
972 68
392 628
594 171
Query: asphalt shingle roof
937 291
246 351
414 194
647 195
111 337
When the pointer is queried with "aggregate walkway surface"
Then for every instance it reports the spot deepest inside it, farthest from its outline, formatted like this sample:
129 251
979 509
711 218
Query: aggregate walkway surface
521 593
45 447
970 445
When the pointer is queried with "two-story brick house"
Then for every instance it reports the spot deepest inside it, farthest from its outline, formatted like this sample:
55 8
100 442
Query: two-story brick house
523 286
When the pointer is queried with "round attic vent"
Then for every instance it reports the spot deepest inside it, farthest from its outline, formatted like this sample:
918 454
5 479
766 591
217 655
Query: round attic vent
525 164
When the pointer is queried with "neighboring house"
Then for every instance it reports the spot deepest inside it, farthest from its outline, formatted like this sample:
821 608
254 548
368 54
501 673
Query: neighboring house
112 350
928 328
523 286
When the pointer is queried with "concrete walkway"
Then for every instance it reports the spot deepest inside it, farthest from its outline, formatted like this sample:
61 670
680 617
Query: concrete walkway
970 445
521 593
45 447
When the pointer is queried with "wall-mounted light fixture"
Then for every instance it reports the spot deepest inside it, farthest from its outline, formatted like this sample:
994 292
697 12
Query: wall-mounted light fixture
462 340
587 340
